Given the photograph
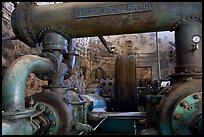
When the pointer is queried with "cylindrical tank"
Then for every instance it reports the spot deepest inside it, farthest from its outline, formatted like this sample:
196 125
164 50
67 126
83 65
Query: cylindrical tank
188 38
86 19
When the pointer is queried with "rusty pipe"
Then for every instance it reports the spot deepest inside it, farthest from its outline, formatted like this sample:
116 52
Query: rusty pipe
105 43
58 79
87 19
13 85
71 55
96 116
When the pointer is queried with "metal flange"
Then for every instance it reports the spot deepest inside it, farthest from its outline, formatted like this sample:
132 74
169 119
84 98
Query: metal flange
186 113
21 26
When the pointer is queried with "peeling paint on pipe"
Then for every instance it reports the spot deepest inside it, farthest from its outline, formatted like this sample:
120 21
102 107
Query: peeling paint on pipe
13 85
74 19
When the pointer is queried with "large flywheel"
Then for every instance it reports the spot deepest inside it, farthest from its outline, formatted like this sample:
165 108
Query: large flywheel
125 87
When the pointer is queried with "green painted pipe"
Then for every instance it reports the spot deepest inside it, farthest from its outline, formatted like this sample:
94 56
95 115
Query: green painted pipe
16 127
84 19
13 85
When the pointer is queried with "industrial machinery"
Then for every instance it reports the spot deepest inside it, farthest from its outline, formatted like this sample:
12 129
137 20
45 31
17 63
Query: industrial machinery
174 110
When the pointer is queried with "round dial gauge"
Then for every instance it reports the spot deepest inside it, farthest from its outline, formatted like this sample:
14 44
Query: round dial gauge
196 38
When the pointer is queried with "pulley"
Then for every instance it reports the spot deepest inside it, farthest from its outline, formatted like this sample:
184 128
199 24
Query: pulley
125 87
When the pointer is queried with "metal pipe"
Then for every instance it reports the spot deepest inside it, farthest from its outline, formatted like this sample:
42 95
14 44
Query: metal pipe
158 58
57 44
94 129
105 43
13 85
99 115
58 79
88 19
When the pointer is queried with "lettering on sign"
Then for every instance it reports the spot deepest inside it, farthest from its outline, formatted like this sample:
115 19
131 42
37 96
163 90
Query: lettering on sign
112 10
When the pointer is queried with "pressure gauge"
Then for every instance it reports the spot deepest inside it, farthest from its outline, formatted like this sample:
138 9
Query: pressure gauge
196 39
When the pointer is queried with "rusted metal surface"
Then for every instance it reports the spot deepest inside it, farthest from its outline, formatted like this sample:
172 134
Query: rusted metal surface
112 10
25 34
109 20
188 60
59 46
54 41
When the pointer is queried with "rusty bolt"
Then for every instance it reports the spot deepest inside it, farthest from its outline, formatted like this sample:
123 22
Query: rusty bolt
184 104
177 117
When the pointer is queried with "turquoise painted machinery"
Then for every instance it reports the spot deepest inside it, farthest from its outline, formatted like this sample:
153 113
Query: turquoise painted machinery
175 110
